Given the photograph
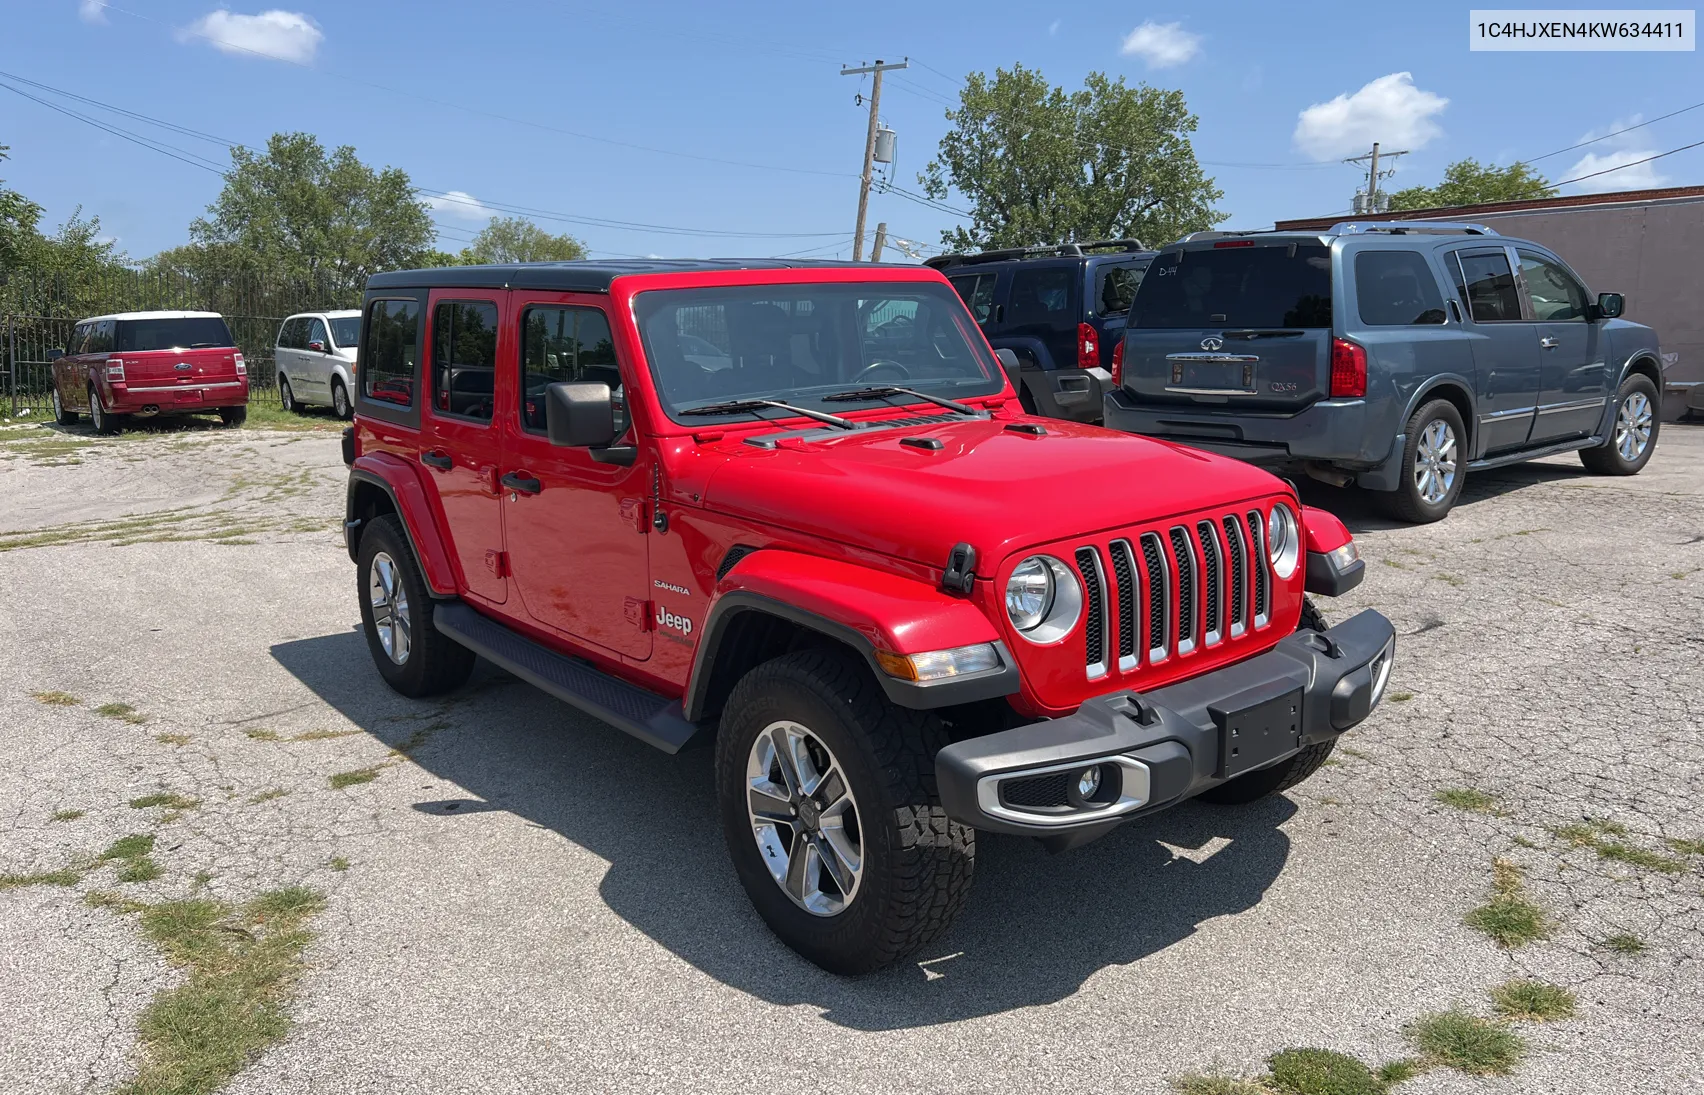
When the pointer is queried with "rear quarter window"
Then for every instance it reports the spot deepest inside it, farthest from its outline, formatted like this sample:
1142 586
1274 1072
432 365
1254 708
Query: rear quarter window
1282 285
388 358
1042 294
1115 287
1396 289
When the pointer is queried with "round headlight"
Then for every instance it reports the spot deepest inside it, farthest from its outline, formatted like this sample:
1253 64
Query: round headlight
1043 599
1283 540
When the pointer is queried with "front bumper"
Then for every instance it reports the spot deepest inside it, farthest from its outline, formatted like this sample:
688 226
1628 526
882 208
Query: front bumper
1157 749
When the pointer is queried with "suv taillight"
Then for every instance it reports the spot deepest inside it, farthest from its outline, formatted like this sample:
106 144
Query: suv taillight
115 368
1348 369
242 369
1118 363
1088 347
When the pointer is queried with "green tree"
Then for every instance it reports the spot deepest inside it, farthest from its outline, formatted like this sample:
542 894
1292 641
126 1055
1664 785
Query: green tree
303 214
1468 182
1038 165
516 239
18 219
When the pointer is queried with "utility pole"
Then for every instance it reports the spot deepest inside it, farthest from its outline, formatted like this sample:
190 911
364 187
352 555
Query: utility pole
869 144
1374 175
881 241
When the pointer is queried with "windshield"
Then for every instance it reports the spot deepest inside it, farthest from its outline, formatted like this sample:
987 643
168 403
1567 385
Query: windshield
346 332
1265 285
136 335
800 343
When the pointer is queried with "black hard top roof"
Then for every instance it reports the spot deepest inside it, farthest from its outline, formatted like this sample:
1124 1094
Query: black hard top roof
591 275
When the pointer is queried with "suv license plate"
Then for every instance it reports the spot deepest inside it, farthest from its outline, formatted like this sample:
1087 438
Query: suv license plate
1232 377
1255 736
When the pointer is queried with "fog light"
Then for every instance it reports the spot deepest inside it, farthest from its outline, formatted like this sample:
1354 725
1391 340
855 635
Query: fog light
1088 782
934 665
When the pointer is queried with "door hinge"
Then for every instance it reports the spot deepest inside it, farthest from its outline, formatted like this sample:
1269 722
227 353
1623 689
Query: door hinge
638 613
633 512
497 562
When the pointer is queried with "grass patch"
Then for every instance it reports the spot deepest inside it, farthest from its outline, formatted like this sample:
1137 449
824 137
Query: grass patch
67 815
1594 833
133 846
172 739
1203 1084
1686 847
165 798
56 699
324 735
1587 833
65 876
268 416
338 863
241 966
1399 1071
1321 1072
262 734
121 711
1625 943
1401 697
141 869
267 796
350 779
1640 857
1538 1001
1466 1043
1509 918
1467 798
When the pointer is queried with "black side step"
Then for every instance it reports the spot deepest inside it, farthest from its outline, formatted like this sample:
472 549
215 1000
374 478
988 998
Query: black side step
646 715
1521 456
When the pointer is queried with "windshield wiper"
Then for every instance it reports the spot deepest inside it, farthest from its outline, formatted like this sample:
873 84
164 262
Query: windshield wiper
750 406
887 391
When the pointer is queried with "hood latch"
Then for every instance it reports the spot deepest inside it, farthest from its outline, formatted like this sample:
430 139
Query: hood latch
960 575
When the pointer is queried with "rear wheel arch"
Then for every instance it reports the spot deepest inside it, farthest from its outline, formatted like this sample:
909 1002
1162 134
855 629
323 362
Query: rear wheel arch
1457 393
372 495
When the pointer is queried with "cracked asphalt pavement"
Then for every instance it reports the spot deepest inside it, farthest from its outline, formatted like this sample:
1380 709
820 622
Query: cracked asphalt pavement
531 901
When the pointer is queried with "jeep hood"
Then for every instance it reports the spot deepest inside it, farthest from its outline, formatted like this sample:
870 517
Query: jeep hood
997 489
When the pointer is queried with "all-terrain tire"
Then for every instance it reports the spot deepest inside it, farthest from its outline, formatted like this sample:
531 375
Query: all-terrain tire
1607 458
1280 777
1406 502
60 414
916 862
434 662
105 423
233 417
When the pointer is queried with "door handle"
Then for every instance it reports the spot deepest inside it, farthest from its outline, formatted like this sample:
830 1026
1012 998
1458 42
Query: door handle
438 459
521 484
1549 343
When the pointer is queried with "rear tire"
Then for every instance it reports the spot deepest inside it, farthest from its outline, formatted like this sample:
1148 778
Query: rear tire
913 864
411 654
287 397
1280 777
1433 460
105 424
233 416
60 414
1632 433
340 404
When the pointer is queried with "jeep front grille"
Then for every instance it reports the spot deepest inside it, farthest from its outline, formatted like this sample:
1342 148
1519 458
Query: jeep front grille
1166 593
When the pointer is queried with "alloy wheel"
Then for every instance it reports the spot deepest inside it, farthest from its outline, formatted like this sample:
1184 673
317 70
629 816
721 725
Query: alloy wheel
58 407
389 602
97 413
1633 427
340 400
804 819
285 396
1435 462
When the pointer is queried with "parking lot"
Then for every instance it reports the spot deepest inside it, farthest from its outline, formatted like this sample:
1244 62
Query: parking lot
520 899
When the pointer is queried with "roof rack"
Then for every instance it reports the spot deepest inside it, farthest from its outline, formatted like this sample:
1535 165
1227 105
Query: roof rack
1218 235
1061 250
1402 228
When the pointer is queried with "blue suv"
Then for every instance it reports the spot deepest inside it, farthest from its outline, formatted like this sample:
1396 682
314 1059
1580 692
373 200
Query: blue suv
1060 310
1397 356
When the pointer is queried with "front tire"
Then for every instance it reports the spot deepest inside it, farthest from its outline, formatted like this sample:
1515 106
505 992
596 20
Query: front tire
1633 434
411 654
831 813
1432 459
1280 777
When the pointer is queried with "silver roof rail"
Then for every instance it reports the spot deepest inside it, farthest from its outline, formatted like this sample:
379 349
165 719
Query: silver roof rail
1434 228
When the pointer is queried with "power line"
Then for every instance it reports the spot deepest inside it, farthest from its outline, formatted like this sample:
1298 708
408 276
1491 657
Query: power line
1625 166
179 154
1613 133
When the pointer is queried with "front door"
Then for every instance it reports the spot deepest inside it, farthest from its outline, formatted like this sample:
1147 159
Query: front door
574 528
316 360
1505 349
460 448
1573 382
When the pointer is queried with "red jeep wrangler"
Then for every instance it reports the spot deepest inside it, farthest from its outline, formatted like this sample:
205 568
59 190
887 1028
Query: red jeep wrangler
795 507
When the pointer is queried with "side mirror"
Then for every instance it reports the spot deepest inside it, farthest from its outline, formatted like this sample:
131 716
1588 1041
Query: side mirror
579 416
55 355
1610 305
1009 362
317 346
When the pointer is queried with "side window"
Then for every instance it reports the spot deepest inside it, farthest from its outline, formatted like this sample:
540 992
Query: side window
1117 288
977 292
284 330
1041 295
387 360
1490 286
562 345
1396 288
79 335
464 358
101 337
1556 296
316 333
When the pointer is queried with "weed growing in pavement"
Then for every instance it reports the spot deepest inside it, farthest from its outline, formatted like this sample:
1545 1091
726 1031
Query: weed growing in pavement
267 796
1467 798
1509 918
324 735
338 863
1686 847
1204 1084
140 869
1625 943
133 846
1321 1072
1593 833
1395 1072
350 779
172 739
262 734
1524 842
1466 1043
56 699
1452 579
67 815
1640 857
165 798
65 876
1587 833
1537 1001
121 711
1401 697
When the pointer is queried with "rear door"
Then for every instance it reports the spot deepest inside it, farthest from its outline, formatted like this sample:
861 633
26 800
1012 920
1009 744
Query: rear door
459 445
291 336
167 353
1236 322
1043 301
1505 355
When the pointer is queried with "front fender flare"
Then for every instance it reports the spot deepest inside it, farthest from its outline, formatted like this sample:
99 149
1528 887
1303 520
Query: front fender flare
399 479
864 609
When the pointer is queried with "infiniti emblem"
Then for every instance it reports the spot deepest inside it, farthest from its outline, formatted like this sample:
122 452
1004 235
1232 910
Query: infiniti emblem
1212 344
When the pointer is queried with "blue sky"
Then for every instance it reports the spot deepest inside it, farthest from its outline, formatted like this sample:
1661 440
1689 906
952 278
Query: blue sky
748 131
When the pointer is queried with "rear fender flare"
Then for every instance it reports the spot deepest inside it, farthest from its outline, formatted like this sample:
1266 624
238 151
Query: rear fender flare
865 610
401 482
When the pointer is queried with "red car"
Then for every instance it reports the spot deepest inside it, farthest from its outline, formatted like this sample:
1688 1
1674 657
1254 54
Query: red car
144 364
797 509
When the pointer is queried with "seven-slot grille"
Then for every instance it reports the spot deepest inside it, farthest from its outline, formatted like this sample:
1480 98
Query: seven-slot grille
1169 592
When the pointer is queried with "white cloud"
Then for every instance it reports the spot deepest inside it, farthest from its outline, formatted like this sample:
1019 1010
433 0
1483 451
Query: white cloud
91 11
1053 28
280 35
461 205
1162 45
1390 110
1612 154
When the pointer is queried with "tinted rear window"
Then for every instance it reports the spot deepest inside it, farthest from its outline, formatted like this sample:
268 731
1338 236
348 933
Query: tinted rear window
1396 288
1288 285
200 332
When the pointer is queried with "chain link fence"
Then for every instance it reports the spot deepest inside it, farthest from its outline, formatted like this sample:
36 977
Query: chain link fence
38 311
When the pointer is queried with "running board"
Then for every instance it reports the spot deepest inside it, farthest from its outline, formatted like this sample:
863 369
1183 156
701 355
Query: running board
1503 460
647 716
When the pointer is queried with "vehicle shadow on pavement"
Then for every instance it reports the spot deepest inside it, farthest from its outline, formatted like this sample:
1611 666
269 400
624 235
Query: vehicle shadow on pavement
1036 926
1359 509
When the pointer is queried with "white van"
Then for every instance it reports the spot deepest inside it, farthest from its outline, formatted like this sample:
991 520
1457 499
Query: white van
315 356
